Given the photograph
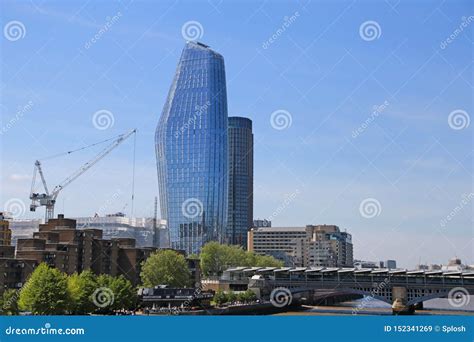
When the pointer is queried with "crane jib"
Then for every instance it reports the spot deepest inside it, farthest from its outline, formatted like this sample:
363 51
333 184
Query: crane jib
48 199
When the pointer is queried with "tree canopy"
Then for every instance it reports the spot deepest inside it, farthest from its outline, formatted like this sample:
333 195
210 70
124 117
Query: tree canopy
216 258
9 302
165 267
81 287
46 292
51 292
114 293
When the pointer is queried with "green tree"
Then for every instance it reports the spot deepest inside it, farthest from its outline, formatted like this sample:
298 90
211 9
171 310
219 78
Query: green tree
81 287
114 293
231 297
248 296
216 258
213 259
9 302
165 267
267 261
220 297
45 292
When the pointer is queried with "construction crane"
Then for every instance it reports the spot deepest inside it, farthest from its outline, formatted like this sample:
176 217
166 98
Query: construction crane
48 199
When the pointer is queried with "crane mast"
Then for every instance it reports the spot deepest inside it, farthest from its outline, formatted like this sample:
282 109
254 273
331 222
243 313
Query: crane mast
48 199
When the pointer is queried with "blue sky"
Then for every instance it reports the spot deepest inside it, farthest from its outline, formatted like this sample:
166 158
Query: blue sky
322 68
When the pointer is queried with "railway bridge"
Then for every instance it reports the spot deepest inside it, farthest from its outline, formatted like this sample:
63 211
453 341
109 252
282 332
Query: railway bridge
405 290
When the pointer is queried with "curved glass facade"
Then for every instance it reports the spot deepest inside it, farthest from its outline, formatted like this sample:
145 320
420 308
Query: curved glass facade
240 212
191 150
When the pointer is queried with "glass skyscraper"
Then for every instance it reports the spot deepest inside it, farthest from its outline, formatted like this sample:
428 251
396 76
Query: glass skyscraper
240 212
192 150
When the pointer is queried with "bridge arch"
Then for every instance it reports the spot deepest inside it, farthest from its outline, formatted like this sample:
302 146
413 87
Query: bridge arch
330 293
424 298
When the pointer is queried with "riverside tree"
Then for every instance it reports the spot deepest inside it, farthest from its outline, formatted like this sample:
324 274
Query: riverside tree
81 288
165 267
216 258
46 292
114 293
9 302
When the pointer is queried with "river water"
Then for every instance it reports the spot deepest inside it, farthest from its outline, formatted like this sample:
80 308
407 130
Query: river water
371 306
437 304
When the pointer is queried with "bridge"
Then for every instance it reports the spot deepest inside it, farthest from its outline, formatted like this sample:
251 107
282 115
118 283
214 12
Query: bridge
403 289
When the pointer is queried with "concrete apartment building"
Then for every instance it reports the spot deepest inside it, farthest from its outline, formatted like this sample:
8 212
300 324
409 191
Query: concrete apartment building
313 245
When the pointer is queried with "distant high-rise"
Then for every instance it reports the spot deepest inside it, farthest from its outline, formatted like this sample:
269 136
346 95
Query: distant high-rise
240 212
191 150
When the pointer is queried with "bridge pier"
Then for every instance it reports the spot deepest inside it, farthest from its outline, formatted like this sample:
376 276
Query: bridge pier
418 306
399 306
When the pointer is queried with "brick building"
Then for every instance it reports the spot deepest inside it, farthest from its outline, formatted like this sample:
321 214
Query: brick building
13 272
59 244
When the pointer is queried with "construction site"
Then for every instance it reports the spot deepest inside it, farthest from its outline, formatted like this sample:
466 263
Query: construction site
111 243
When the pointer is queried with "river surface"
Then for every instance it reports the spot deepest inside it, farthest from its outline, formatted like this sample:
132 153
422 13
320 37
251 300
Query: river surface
370 306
